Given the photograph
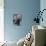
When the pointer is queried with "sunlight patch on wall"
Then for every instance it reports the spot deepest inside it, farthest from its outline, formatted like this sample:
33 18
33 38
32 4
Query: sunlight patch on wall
1 3
1 21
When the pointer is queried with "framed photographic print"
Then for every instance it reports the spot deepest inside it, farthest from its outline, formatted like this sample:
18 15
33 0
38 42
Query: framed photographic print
17 19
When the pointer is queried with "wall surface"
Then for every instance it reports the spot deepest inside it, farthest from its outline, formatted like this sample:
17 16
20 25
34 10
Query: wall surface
25 7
